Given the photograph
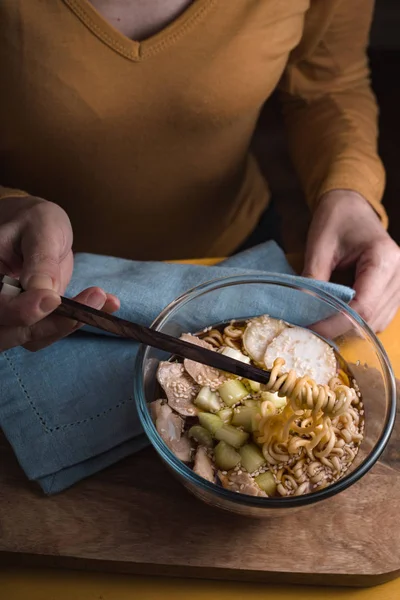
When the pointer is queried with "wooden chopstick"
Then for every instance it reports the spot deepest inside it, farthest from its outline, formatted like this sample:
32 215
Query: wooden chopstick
127 329
71 309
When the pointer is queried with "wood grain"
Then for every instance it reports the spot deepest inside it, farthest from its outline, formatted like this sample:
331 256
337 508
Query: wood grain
135 517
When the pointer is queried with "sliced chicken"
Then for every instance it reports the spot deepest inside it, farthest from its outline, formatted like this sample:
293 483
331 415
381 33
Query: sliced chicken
155 408
203 465
240 481
170 426
179 388
305 353
259 333
205 376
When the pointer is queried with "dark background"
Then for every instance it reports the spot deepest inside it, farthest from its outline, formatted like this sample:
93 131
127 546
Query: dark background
270 148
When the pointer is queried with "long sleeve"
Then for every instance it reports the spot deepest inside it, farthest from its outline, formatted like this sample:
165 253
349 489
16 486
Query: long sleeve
329 107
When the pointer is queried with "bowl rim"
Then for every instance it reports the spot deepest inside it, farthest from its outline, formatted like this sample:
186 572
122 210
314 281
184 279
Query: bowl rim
292 282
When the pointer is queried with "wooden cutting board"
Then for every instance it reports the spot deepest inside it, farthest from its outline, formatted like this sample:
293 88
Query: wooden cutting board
135 517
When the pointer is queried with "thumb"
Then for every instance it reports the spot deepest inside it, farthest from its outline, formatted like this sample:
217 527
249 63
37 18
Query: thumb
45 242
319 260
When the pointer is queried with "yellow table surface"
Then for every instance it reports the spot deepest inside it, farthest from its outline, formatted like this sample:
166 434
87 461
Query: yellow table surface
46 584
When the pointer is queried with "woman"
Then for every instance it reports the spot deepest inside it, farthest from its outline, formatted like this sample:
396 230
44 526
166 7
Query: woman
141 148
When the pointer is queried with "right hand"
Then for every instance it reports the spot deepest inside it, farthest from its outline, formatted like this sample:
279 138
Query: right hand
36 246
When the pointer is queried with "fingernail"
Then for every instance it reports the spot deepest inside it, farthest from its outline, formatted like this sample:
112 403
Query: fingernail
96 299
49 303
39 282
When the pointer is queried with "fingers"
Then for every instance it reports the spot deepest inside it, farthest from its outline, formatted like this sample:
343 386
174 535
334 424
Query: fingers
385 319
66 268
19 314
26 320
380 314
54 328
369 286
318 267
320 257
112 304
345 231
28 308
377 286
59 327
334 327
46 241
36 244
339 325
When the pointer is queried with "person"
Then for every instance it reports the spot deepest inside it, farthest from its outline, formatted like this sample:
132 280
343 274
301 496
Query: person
127 125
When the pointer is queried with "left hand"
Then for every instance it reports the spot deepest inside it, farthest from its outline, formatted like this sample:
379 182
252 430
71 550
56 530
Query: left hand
345 231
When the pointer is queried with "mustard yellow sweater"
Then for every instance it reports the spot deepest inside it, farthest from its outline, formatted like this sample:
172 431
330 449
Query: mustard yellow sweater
145 144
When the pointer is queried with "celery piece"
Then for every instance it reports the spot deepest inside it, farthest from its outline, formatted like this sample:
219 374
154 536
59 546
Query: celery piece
273 397
251 458
231 435
225 456
210 422
235 354
232 392
251 402
225 414
201 435
207 400
243 416
266 482
255 386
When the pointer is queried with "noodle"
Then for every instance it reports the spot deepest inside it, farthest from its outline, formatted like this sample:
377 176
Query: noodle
231 337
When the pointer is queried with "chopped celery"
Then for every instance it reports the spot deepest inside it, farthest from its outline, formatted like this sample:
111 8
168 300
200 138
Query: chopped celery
210 422
232 392
231 435
244 416
251 402
255 386
207 400
266 482
201 435
273 397
225 414
236 354
251 458
226 456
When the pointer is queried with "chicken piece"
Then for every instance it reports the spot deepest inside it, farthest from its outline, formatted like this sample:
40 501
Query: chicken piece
203 465
240 481
179 388
203 375
170 426
305 353
155 408
259 333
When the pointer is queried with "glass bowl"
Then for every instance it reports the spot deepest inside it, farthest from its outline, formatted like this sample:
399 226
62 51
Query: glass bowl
242 297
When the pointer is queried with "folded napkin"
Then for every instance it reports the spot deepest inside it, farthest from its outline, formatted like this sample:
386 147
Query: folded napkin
68 411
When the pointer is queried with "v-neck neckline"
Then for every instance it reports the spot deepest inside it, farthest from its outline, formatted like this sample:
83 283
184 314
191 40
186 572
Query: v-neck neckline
132 49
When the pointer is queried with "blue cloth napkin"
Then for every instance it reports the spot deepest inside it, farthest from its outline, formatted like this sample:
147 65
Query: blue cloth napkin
68 411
